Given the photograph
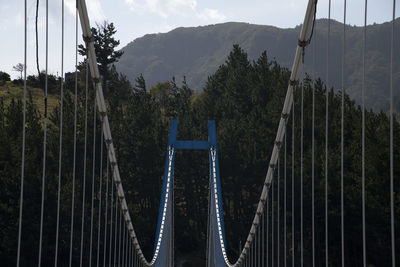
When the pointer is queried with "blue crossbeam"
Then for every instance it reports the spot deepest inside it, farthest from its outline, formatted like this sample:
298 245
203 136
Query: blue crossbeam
197 145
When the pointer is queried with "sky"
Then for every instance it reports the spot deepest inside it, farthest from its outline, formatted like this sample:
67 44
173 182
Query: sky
135 18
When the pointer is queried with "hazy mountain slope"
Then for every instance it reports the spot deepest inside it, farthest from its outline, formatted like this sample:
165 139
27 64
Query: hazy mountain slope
197 52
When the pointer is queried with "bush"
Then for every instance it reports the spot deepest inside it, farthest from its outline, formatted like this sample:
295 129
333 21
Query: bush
4 76
18 82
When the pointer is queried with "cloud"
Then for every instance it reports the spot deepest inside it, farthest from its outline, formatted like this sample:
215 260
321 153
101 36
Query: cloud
211 14
94 9
168 8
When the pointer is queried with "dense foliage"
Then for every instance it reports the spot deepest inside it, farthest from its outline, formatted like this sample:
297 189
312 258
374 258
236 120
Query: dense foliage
245 98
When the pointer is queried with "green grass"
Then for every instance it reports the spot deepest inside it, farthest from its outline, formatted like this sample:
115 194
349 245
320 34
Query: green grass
9 91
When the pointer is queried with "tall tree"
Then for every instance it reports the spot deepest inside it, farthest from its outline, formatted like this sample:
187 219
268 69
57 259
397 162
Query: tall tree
105 45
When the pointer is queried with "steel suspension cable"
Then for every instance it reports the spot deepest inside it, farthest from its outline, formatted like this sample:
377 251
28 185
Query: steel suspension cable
93 176
111 222
342 138
258 245
126 247
133 258
301 173
268 259
284 206
392 232
120 235
249 258
75 130
84 157
129 252
303 41
253 257
314 46
293 234
116 227
61 131
133 253
326 137
278 225
21 200
106 214
100 191
250 255
123 244
363 138
262 240
273 223
44 136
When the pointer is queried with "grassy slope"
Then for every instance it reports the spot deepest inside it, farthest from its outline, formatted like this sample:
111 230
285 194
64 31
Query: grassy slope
10 90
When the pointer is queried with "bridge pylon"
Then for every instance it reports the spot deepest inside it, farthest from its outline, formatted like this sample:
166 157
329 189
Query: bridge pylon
164 245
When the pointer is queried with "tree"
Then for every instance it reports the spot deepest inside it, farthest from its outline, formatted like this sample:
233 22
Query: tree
105 45
20 68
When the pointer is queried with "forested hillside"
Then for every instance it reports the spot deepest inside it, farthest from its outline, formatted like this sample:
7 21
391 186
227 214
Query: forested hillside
245 99
198 52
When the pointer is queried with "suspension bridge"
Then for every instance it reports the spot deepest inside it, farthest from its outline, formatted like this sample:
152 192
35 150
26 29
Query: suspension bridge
264 246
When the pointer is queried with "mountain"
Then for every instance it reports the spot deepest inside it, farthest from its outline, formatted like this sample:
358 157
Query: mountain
198 51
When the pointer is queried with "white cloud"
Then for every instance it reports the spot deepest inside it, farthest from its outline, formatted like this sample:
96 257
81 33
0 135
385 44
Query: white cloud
211 14
95 10
168 8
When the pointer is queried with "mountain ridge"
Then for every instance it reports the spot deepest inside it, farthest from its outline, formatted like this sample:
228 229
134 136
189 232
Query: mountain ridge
197 52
